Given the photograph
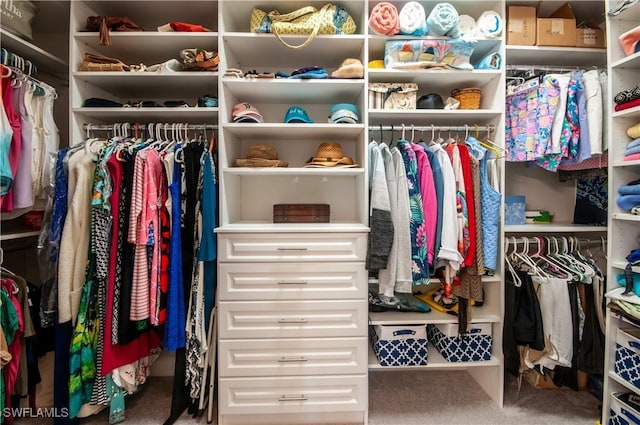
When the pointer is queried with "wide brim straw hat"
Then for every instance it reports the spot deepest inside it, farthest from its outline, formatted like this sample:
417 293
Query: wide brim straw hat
330 155
261 155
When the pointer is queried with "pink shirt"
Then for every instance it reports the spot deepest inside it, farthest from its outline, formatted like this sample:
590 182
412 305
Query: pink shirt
429 199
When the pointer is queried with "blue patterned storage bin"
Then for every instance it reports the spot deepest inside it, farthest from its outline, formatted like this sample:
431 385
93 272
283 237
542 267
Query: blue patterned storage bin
399 345
627 362
473 346
621 413
514 209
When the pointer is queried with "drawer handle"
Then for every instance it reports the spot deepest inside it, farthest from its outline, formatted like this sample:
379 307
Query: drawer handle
300 397
291 359
285 282
292 249
301 320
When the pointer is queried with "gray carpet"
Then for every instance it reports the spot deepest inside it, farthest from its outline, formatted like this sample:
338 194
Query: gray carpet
408 398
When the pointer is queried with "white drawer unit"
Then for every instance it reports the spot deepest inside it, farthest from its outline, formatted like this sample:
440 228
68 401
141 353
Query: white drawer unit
308 247
292 395
302 319
286 357
291 281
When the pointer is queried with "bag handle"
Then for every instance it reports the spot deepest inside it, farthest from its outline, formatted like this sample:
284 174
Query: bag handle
275 17
311 36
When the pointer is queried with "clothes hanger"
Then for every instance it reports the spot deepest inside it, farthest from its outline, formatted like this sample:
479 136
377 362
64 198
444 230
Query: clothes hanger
514 275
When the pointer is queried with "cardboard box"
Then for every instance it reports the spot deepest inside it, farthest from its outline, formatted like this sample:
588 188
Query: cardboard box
590 37
521 25
557 30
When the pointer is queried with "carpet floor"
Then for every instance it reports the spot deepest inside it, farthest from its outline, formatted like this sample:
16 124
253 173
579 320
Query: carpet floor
406 398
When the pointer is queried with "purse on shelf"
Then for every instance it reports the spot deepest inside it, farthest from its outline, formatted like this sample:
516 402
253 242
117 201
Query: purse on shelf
104 24
309 21
393 95
98 63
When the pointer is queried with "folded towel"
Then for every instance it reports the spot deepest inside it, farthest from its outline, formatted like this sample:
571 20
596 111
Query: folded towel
632 157
490 61
635 142
627 105
443 20
384 19
632 150
412 19
629 41
634 131
489 25
467 25
626 202
629 189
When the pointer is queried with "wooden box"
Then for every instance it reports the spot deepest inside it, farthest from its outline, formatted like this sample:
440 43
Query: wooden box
301 213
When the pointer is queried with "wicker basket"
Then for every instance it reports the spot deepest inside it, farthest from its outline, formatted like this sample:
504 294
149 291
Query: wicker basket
469 98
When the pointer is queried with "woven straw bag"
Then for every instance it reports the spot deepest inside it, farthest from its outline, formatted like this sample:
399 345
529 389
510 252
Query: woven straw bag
330 19
99 63
469 98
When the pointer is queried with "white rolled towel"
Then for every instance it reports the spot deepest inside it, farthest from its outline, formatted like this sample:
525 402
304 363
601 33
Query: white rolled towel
413 19
467 25
489 25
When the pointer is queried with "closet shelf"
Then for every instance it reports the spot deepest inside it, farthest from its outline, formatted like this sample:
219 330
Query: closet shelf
429 116
557 56
623 163
133 85
619 264
134 44
270 227
553 228
478 314
627 113
190 115
264 50
479 77
295 131
434 361
43 60
292 171
625 217
628 62
286 91
19 235
620 380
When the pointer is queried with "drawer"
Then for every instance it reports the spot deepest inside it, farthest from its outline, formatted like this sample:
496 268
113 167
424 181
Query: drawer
286 357
292 319
290 281
259 247
292 395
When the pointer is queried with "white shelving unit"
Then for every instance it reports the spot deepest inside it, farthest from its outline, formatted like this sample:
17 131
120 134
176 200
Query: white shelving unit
623 226
489 374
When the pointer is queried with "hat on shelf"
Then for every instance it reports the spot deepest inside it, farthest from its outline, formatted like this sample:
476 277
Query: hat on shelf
261 155
430 101
343 113
330 155
296 114
376 64
634 131
350 68
244 112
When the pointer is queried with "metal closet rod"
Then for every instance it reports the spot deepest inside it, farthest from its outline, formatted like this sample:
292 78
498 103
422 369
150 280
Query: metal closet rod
432 127
111 127
547 68
581 241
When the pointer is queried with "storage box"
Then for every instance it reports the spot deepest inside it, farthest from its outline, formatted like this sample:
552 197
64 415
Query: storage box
627 359
521 25
17 16
472 346
301 213
557 30
514 209
393 95
399 345
621 412
590 37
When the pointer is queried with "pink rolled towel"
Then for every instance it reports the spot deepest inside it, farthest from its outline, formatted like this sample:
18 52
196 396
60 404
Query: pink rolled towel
384 19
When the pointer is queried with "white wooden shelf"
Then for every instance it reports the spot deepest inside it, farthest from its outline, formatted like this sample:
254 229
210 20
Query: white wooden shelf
556 56
627 113
292 171
295 131
11 235
629 62
625 217
436 78
270 227
188 115
42 59
131 44
479 314
435 116
139 85
287 91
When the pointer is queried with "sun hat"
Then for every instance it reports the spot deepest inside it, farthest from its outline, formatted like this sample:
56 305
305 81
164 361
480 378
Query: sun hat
296 114
376 64
244 112
330 155
343 113
261 155
350 68
430 101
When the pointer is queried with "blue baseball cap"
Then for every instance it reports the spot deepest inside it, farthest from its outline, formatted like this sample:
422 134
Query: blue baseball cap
296 114
343 113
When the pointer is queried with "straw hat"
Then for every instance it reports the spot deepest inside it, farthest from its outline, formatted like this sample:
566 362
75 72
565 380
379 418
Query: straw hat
261 155
330 155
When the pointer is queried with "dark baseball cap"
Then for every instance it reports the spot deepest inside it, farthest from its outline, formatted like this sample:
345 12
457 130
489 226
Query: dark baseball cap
430 101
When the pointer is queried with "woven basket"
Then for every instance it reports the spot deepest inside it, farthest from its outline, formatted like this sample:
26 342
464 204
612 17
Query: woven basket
469 98
99 63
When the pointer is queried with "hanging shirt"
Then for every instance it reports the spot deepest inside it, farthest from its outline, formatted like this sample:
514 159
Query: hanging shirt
429 198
